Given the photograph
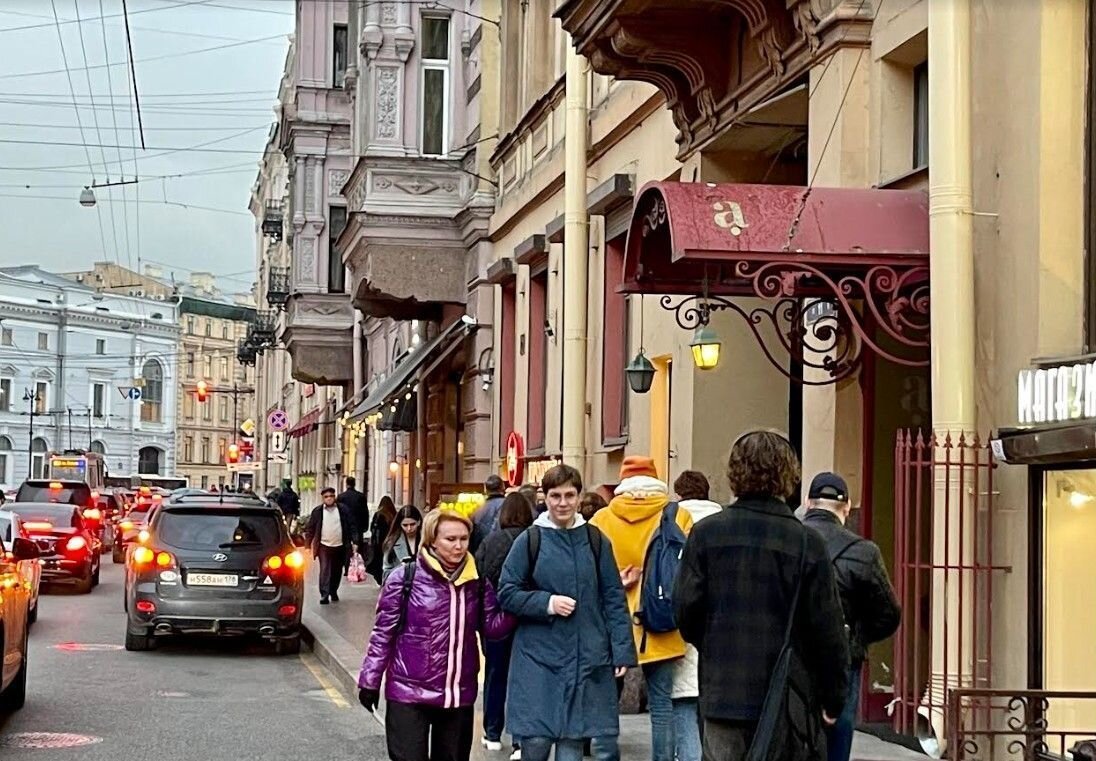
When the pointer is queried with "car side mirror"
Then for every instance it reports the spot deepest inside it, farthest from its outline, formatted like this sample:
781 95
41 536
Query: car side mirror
24 549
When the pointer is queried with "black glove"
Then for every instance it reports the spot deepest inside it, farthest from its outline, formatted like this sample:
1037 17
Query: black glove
368 698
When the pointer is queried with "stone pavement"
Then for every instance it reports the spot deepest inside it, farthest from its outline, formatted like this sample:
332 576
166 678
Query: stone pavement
338 634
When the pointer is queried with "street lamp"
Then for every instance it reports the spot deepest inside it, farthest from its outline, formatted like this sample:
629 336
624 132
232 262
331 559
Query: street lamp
705 346
640 373
87 197
31 398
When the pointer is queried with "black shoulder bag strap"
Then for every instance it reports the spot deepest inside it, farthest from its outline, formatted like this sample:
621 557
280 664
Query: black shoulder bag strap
798 588
405 594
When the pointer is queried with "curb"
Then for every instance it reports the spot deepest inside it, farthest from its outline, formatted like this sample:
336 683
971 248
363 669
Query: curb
335 653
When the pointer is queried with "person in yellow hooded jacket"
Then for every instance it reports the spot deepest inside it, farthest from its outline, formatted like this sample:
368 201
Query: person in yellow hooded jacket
629 523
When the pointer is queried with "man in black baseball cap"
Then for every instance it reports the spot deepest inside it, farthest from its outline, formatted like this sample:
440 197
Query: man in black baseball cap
867 598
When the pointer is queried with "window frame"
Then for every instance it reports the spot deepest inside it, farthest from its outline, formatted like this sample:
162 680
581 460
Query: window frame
7 337
97 408
152 407
100 346
334 261
5 393
41 391
920 149
209 328
205 450
338 79
444 66
43 340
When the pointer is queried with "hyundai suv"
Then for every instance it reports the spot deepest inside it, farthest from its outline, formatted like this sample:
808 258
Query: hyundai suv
215 566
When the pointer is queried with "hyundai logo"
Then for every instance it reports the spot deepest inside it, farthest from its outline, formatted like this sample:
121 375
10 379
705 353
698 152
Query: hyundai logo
220 557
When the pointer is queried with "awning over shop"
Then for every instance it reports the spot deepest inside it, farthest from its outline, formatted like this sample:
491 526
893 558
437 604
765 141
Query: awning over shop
307 424
842 270
1072 442
419 363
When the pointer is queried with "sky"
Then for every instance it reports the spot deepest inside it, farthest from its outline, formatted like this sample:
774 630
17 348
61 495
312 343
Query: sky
207 76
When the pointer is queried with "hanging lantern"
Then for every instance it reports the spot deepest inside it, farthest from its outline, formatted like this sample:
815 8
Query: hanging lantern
705 346
640 373
87 197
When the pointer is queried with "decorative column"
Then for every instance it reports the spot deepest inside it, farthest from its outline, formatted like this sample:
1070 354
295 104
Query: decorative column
387 41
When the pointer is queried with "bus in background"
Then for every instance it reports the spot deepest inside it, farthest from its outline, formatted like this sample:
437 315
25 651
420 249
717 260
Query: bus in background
78 465
137 480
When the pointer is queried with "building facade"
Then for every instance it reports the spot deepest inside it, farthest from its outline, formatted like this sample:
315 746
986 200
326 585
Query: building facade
72 356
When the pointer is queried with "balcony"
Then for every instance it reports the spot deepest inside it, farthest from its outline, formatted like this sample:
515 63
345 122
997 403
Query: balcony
277 286
405 242
246 351
318 333
273 220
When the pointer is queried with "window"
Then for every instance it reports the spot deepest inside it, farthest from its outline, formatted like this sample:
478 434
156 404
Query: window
43 341
435 85
538 360
921 116
614 350
188 406
205 449
152 396
338 56
38 449
207 412
205 482
224 331
5 460
190 325
98 400
5 337
223 401
149 460
224 368
98 447
336 272
41 397
100 346
188 448
207 366
5 394
190 364
209 328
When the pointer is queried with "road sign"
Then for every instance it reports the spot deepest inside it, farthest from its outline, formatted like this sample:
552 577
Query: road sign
248 427
278 458
130 392
277 441
234 467
277 420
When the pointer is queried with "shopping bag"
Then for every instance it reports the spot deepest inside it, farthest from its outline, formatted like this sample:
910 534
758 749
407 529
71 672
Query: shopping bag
355 574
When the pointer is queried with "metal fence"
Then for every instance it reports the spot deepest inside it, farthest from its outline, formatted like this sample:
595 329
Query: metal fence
1021 725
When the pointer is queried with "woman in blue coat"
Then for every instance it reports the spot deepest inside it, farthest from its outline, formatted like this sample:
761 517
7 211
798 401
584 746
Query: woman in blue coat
574 634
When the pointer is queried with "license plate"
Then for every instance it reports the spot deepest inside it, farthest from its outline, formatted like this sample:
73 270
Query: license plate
212 579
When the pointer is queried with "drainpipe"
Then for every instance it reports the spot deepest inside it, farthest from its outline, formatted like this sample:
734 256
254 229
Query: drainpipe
951 268
575 253
358 466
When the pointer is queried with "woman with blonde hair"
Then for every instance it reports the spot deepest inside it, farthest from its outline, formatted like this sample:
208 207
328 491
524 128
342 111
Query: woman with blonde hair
424 645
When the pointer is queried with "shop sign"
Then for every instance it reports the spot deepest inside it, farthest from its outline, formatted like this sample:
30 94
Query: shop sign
308 390
515 458
535 469
1057 394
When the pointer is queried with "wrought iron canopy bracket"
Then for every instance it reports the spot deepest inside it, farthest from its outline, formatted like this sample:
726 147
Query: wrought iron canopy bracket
822 321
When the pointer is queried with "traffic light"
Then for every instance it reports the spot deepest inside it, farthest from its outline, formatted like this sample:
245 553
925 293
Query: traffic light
232 455
203 391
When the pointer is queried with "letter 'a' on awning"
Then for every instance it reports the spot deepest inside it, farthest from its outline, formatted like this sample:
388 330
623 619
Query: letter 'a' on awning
685 235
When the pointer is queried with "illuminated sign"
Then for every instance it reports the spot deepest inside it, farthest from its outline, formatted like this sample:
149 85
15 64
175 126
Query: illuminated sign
1057 394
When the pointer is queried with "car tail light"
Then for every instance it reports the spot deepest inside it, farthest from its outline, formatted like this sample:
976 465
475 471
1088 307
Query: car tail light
146 606
75 544
142 536
273 563
126 525
294 560
93 514
143 555
55 486
290 562
164 560
287 611
38 526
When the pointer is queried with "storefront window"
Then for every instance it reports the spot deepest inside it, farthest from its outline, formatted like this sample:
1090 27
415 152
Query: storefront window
1070 616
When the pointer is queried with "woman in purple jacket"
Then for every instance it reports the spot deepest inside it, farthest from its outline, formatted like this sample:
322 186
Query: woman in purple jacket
424 645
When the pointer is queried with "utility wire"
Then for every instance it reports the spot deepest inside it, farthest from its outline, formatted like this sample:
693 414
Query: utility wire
60 144
69 21
111 200
133 76
117 137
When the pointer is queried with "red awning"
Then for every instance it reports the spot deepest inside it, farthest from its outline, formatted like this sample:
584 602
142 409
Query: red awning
685 235
307 424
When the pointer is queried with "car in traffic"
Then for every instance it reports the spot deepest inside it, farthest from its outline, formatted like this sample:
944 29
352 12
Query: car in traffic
14 623
30 571
133 522
69 551
216 566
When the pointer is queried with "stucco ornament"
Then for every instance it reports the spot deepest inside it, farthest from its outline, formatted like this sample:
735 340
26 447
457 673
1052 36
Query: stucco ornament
387 102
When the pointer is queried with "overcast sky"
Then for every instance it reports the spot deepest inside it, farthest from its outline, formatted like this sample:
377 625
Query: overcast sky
220 100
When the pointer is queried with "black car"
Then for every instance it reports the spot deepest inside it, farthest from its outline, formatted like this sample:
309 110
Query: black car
215 566
69 549
62 492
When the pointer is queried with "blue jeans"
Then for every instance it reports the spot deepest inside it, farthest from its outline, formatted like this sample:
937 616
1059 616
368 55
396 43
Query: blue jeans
839 739
660 685
494 687
687 729
538 749
604 748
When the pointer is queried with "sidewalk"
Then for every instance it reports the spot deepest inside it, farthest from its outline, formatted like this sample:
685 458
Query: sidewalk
338 634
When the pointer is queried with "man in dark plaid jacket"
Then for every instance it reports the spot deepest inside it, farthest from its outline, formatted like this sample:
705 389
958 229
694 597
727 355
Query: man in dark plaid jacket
734 592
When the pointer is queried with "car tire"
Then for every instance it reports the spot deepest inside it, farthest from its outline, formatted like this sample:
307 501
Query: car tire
32 614
84 585
138 643
13 698
288 645
117 555
95 575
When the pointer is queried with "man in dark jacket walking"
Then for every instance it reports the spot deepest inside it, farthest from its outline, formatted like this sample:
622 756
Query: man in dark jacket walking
867 598
288 501
330 533
733 597
486 518
354 500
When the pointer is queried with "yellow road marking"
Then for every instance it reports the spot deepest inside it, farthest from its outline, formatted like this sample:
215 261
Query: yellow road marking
333 694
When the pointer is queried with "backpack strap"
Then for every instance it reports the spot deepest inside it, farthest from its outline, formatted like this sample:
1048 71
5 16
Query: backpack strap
798 587
595 538
405 594
533 548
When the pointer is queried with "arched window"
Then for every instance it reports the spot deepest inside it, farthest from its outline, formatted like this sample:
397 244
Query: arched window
38 449
98 447
152 395
6 461
149 461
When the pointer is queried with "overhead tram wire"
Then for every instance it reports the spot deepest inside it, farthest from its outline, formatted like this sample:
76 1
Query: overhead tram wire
115 15
133 76
98 132
79 121
117 138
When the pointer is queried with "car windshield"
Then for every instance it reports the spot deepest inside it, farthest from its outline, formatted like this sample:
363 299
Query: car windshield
57 515
217 529
67 494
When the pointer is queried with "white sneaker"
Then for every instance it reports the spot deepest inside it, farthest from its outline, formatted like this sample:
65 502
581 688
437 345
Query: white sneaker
516 755
491 745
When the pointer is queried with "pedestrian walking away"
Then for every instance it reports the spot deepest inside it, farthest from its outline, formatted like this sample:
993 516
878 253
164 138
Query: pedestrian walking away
756 592
404 540
485 519
424 645
692 490
355 501
383 518
573 637
638 519
289 501
867 598
516 516
330 533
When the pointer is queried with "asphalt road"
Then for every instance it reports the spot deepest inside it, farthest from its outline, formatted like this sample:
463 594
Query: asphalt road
192 700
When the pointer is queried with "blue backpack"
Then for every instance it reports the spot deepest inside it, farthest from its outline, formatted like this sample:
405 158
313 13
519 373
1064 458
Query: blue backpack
660 565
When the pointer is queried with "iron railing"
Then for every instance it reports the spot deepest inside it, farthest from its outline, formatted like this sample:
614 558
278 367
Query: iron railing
945 499
273 219
246 352
265 325
277 286
1021 725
